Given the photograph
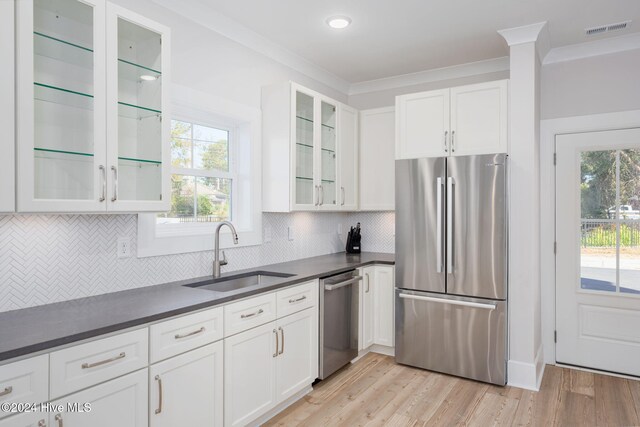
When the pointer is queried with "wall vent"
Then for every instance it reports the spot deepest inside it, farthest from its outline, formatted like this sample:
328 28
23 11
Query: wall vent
606 28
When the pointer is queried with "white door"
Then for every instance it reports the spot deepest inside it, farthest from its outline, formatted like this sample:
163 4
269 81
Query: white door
187 389
122 402
250 374
598 250
297 361
377 159
422 124
28 419
367 315
348 157
383 302
479 118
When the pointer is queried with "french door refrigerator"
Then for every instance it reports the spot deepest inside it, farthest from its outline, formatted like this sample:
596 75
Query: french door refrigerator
451 265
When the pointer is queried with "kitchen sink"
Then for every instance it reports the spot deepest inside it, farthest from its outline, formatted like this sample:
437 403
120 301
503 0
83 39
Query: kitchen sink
241 281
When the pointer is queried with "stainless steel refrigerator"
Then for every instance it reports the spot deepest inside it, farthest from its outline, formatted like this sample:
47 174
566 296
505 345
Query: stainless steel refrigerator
451 265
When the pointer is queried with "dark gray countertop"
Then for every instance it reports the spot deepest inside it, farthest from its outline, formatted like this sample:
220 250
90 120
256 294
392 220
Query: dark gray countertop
47 326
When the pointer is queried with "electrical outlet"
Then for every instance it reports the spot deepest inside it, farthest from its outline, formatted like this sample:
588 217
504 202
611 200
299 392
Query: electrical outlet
291 233
124 247
267 234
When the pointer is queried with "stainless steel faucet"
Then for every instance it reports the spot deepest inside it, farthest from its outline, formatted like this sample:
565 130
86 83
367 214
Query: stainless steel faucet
216 251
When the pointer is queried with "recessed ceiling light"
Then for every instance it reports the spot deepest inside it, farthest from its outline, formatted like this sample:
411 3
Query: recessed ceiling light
148 78
338 22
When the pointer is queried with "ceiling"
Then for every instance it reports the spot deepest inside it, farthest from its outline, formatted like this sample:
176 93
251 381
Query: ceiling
389 38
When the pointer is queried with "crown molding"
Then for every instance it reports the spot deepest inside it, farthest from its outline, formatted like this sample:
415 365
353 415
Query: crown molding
436 74
534 33
207 17
593 48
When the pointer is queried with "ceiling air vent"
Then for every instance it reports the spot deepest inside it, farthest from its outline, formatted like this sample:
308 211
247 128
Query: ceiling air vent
606 28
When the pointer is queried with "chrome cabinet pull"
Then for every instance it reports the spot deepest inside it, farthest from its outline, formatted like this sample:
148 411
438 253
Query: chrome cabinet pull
103 171
102 362
199 331
450 187
366 276
453 147
439 185
58 419
446 132
159 409
275 354
115 183
282 332
255 313
342 189
42 423
7 390
302 298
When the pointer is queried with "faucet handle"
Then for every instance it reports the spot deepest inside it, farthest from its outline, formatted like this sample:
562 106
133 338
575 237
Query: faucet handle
223 261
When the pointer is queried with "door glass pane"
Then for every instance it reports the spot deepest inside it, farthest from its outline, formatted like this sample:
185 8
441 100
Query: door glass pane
63 100
630 221
598 226
328 150
304 149
139 113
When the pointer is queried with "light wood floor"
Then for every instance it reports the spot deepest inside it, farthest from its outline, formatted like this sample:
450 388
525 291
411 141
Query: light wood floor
375 391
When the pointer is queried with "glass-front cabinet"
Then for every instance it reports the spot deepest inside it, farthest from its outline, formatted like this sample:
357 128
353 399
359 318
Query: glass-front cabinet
314 157
83 143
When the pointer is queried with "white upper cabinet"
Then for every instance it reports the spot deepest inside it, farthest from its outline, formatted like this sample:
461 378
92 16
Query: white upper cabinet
479 118
377 160
303 144
7 107
90 98
459 121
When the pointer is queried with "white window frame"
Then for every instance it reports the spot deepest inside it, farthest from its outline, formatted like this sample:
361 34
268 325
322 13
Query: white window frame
244 123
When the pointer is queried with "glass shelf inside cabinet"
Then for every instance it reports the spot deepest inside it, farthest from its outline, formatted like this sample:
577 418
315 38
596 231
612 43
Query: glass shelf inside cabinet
67 52
137 112
63 96
130 161
135 72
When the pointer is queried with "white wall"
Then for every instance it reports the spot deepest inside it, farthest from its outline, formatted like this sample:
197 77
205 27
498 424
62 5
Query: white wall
594 85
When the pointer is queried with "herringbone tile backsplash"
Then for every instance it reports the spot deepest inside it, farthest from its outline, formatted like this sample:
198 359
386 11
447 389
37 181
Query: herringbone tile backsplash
51 258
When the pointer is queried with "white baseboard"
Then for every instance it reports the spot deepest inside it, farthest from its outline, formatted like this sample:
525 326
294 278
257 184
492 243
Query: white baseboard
526 375
281 407
375 348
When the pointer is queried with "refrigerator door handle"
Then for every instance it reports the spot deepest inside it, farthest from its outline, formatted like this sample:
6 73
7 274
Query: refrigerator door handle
450 186
450 301
439 192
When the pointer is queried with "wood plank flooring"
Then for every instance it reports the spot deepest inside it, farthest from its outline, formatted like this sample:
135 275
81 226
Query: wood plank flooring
376 392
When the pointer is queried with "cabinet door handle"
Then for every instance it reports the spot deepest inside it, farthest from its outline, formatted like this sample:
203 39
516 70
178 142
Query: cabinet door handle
42 423
302 298
366 275
179 336
59 420
282 332
103 171
103 362
114 170
446 132
317 198
453 146
342 188
157 378
275 354
6 391
255 313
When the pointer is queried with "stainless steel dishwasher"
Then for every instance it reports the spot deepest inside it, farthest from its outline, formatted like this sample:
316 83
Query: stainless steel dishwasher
339 314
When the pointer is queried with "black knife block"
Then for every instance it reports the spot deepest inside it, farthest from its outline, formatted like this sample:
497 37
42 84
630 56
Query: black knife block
353 243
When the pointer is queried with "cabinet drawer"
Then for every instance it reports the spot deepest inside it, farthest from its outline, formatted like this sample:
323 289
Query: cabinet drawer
185 333
297 298
84 365
25 381
249 313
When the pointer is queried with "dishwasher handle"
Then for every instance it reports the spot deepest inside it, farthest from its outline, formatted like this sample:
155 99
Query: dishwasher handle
353 280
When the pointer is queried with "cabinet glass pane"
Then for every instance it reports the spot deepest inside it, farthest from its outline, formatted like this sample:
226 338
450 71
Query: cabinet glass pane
328 156
139 113
63 99
304 149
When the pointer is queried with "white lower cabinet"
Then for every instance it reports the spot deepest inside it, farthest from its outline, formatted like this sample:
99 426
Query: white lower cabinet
266 365
367 307
377 306
187 390
28 419
121 402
